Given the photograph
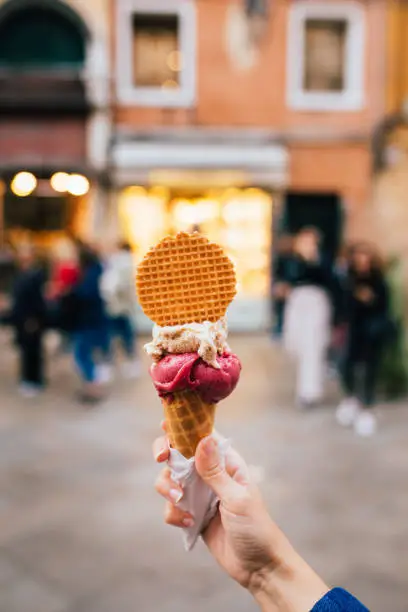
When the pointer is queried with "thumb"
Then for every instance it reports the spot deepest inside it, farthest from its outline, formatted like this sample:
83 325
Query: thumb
210 466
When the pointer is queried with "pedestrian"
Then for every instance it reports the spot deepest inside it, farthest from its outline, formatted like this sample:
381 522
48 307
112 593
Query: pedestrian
64 268
28 316
308 317
339 283
244 540
118 290
64 275
280 278
367 316
89 323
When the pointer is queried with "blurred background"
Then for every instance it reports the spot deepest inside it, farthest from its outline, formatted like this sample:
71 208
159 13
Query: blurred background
251 121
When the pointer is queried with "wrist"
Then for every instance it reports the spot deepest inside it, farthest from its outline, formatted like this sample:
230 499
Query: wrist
287 585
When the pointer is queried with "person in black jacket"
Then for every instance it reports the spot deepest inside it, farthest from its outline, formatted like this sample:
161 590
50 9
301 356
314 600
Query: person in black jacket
366 314
28 316
280 289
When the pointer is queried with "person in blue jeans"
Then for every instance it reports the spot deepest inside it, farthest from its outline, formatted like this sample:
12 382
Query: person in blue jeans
89 323
244 539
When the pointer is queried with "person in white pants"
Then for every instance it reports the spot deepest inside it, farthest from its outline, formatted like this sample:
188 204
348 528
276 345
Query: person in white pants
308 317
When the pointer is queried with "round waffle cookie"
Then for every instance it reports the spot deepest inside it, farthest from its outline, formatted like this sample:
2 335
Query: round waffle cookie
185 279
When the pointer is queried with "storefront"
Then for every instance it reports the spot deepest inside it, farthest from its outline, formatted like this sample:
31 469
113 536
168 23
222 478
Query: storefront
232 205
38 205
52 106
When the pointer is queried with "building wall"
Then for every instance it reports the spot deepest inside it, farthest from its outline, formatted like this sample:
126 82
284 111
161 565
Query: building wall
329 150
230 95
397 55
334 167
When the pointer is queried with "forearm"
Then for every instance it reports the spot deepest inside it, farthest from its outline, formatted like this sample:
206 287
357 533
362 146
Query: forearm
291 586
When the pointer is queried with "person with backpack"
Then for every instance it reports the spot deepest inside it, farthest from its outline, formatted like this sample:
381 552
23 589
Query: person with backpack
118 291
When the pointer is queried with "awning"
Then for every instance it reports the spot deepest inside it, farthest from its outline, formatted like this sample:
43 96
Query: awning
205 160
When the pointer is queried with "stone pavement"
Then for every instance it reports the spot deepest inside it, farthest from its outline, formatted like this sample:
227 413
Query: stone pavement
81 527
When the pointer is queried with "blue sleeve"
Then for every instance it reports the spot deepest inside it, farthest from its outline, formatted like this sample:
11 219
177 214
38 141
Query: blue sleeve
339 600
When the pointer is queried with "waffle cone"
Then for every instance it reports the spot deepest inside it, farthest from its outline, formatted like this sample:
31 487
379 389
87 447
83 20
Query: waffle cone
185 279
188 420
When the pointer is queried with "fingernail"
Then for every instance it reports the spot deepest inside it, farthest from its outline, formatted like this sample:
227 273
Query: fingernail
161 456
188 522
210 447
175 496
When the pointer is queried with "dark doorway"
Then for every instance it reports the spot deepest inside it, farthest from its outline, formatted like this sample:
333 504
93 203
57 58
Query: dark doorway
320 210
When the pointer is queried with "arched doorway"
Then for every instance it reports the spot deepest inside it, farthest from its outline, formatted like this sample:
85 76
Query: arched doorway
44 111
41 35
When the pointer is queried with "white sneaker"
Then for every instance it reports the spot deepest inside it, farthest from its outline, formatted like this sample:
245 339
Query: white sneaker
131 369
28 391
365 425
347 412
104 373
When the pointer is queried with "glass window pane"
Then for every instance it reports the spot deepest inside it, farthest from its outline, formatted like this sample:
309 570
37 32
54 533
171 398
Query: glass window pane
325 55
157 60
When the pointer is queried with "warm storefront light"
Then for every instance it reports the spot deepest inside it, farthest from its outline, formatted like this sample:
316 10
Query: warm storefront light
60 181
238 219
23 184
78 185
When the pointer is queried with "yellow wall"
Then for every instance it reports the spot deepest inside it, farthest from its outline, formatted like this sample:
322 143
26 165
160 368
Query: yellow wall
397 55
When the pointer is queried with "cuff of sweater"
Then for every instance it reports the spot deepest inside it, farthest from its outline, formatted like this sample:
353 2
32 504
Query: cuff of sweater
339 600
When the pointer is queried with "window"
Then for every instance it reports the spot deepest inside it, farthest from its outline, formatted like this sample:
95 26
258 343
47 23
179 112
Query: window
156 53
326 56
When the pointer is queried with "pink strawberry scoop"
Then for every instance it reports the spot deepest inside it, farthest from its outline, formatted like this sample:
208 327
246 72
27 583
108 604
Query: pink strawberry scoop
189 372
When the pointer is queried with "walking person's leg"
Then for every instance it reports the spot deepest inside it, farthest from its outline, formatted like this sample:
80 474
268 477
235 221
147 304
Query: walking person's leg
366 424
37 361
348 410
24 354
279 309
310 377
31 366
127 334
104 336
84 342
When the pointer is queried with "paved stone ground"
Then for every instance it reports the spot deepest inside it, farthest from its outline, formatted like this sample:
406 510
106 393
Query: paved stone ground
80 524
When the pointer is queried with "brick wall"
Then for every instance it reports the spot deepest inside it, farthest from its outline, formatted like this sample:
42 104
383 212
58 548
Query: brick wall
256 97
341 168
42 141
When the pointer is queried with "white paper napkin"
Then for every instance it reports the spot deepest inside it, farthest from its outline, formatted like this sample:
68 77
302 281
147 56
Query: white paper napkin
198 499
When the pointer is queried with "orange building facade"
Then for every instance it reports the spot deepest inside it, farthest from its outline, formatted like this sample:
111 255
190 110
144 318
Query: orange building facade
243 119
239 118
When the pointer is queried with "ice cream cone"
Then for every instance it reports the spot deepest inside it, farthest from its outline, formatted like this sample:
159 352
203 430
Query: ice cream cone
188 420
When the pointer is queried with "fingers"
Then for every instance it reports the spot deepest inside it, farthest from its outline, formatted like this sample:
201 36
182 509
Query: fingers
173 494
176 517
161 451
237 468
213 470
167 488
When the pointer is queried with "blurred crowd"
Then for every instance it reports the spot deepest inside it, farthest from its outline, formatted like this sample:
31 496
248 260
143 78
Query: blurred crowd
340 316
88 297
333 316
